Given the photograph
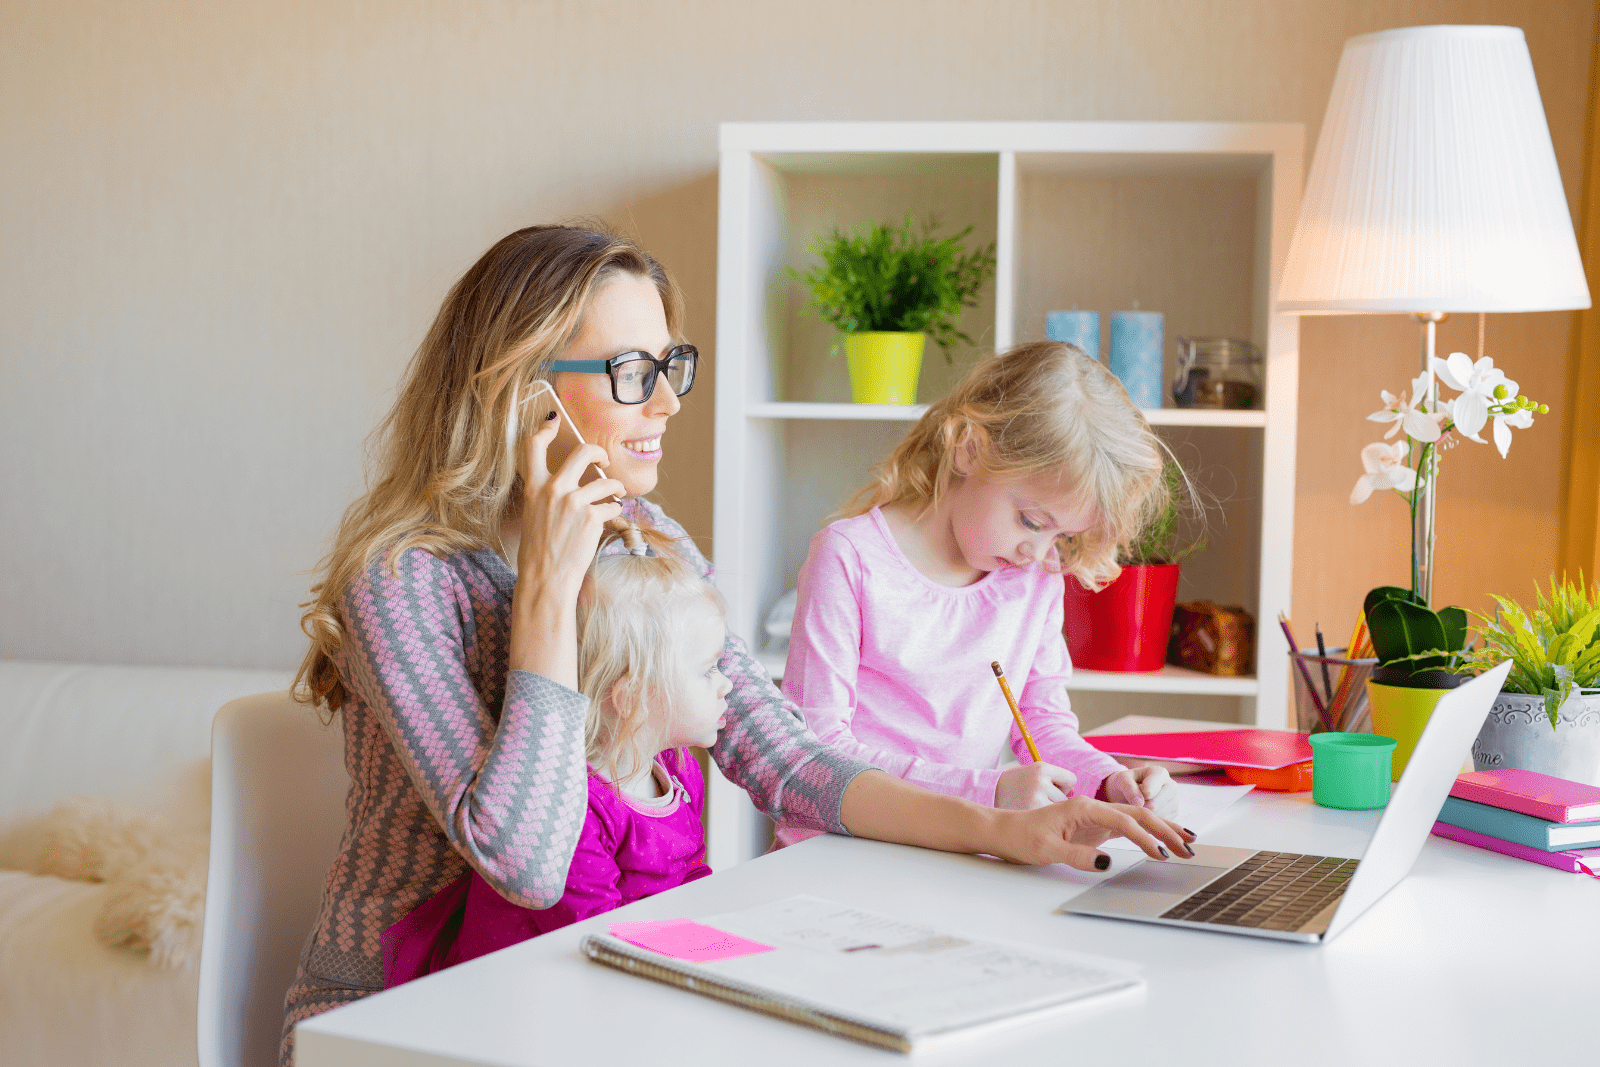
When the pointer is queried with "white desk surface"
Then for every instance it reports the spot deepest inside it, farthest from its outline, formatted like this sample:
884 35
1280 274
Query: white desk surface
1475 958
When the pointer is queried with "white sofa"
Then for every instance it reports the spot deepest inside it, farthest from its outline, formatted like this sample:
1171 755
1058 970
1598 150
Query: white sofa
138 735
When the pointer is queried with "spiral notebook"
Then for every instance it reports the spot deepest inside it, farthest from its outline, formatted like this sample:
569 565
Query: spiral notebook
858 974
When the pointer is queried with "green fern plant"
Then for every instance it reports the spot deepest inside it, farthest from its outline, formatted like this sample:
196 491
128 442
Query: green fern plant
895 279
1553 651
1160 541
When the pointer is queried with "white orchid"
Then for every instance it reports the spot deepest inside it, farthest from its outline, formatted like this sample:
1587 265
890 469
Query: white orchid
1481 386
1405 413
1386 469
1522 418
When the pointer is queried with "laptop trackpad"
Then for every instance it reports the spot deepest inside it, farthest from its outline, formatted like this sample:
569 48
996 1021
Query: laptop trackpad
1147 890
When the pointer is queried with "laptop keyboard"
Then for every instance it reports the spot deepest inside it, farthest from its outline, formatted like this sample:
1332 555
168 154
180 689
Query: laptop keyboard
1268 891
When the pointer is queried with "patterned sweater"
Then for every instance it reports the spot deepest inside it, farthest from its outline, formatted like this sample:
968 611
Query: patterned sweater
457 763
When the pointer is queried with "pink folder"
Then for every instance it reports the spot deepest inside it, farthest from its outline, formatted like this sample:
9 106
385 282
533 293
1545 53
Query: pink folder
1265 749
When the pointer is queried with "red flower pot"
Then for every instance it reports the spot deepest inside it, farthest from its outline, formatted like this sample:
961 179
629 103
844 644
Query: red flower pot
1126 625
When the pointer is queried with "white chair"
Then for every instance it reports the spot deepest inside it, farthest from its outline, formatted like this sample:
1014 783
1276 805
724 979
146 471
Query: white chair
277 813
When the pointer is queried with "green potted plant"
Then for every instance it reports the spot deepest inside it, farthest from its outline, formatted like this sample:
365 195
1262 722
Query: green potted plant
1126 625
1547 717
887 290
1420 651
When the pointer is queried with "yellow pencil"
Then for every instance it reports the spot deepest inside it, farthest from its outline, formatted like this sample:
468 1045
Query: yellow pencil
1016 712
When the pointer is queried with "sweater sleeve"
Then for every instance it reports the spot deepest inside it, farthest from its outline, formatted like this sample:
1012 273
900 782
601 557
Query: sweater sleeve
824 661
766 748
1048 710
509 791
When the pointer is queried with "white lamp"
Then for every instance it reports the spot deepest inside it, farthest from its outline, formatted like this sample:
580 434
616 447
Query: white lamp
1434 189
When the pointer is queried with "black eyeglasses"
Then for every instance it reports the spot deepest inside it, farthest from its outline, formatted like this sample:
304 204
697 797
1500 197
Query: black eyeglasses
633 374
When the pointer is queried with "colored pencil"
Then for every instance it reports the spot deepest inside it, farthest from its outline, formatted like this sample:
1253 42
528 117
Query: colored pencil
1305 672
1016 712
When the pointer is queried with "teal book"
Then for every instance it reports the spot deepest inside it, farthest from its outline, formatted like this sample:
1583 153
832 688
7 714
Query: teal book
1523 829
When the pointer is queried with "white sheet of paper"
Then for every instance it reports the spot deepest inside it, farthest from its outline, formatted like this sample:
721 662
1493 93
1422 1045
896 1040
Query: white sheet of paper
1198 807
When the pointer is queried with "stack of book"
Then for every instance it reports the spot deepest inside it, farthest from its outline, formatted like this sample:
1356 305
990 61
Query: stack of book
1528 815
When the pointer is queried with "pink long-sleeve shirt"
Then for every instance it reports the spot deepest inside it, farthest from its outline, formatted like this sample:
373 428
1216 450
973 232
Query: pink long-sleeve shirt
892 668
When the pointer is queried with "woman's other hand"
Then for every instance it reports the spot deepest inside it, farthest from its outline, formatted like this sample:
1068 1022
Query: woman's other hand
559 526
1033 785
1070 832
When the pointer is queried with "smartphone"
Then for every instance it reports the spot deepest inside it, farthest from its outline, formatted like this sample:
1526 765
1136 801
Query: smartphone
567 437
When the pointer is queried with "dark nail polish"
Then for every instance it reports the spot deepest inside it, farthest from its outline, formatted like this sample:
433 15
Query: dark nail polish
1102 862
1164 853
550 416
1191 833
1191 853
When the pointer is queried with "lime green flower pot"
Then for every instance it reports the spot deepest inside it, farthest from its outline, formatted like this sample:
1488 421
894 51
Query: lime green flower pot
1401 713
884 366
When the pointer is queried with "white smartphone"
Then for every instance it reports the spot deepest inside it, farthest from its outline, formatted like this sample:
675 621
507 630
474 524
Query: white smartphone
567 437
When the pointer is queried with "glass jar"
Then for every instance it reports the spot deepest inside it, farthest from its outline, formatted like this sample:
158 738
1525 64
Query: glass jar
1217 372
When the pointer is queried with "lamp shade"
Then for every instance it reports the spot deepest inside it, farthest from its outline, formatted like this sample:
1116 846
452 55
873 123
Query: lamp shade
1434 186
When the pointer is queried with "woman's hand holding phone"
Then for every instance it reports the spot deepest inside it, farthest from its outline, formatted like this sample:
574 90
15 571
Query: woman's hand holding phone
561 522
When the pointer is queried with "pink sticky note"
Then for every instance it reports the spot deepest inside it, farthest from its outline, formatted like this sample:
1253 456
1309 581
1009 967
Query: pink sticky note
686 939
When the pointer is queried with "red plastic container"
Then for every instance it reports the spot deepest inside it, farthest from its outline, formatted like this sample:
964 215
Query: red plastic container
1126 625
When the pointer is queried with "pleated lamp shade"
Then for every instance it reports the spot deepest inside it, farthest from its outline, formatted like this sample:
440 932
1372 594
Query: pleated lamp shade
1434 186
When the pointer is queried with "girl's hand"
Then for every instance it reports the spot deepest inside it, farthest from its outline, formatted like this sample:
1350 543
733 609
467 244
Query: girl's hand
1068 832
1032 785
1139 787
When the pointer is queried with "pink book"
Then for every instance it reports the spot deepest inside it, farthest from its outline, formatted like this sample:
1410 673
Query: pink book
1266 749
1549 798
1578 861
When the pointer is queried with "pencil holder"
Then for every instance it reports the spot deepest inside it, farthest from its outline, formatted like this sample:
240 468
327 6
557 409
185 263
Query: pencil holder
1350 771
1330 692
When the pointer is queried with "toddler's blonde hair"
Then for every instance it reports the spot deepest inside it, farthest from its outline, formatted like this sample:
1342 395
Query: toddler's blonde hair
1040 409
633 661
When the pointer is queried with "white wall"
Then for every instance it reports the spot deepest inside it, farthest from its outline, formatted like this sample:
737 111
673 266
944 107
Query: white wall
225 226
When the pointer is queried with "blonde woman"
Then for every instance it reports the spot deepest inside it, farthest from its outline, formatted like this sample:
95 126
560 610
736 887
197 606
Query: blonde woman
951 559
444 627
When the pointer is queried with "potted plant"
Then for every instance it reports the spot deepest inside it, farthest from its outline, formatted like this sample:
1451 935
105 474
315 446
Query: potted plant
1126 625
887 290
1420 651
1547 717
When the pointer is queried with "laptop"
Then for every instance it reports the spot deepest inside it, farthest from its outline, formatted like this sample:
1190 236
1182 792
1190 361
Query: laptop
1292 897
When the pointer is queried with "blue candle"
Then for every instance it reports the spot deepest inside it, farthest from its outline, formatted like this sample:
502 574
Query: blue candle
1081 328
1137 342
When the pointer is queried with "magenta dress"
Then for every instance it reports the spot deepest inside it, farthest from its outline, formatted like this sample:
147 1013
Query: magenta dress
628 850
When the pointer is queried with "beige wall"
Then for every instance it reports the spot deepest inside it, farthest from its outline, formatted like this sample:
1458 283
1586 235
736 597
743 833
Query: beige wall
224 227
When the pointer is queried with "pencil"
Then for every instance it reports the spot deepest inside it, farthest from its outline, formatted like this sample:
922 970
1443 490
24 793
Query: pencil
1016 712
1322 653
1311 687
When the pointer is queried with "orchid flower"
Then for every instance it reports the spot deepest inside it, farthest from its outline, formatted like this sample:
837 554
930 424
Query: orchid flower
1480 386
1386 469
1521 418
1403 412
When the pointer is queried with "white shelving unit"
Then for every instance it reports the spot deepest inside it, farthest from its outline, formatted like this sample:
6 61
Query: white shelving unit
1192 219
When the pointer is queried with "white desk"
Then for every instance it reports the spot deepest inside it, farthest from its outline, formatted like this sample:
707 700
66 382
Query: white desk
1474 959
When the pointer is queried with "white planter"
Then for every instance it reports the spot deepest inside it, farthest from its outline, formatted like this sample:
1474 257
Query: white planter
1518 734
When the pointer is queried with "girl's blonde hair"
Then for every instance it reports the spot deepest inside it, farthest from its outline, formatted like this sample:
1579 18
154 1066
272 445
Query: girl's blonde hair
445 465
633 656
1040 409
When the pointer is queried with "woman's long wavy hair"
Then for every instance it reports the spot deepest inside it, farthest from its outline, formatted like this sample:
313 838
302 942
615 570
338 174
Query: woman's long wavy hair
633 660
444 466
1040 409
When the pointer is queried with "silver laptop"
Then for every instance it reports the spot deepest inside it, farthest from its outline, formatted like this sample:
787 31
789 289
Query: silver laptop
1293 897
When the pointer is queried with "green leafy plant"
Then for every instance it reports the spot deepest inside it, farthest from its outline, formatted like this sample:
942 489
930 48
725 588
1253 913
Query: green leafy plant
1161 541
1553 651
1408 637
897 280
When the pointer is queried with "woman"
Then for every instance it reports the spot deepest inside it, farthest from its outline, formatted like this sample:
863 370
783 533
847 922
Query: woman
456 674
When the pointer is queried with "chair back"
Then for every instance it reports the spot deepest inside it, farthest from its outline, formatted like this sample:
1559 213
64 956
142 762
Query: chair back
278 786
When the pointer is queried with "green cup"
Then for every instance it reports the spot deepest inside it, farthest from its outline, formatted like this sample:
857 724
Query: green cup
1351 771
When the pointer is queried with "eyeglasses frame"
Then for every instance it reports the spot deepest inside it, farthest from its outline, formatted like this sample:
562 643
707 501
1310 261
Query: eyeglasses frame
608 368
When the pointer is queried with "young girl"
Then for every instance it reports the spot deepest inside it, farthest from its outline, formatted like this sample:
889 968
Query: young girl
951 559
650 634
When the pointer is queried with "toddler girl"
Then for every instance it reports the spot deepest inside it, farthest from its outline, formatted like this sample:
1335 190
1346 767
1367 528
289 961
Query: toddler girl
951 558
650 633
